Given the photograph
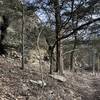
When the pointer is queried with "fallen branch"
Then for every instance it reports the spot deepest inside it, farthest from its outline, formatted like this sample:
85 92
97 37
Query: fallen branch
59 78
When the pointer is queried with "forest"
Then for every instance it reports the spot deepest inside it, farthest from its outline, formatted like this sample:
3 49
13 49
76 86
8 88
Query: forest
49 50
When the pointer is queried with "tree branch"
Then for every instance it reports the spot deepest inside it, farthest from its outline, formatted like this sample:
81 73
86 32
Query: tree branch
75 30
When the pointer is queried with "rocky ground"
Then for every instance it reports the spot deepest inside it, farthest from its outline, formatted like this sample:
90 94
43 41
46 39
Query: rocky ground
16 84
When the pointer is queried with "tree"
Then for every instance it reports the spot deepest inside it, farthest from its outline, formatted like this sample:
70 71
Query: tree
3 30
63 16
59 59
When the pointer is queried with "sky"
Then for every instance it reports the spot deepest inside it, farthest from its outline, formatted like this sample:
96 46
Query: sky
30 1
40 13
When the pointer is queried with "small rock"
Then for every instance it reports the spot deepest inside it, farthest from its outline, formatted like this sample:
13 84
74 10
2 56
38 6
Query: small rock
38 82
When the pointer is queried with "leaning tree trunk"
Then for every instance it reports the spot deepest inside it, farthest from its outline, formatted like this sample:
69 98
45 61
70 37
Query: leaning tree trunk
59 59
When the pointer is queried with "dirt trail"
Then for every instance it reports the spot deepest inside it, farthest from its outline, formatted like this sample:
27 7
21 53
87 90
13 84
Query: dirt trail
96 87
15 84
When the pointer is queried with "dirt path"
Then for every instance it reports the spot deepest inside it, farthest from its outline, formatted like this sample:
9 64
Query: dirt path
15 84
96 87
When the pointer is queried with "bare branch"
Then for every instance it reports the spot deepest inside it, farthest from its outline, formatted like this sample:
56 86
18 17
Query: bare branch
75 30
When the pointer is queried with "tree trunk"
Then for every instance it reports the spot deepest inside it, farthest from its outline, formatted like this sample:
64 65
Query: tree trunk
75 37
98 63
51 56
94 60
59 59
3 32
72 53
22 67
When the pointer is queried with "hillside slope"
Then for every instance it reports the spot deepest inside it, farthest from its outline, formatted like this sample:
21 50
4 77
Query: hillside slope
15 84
